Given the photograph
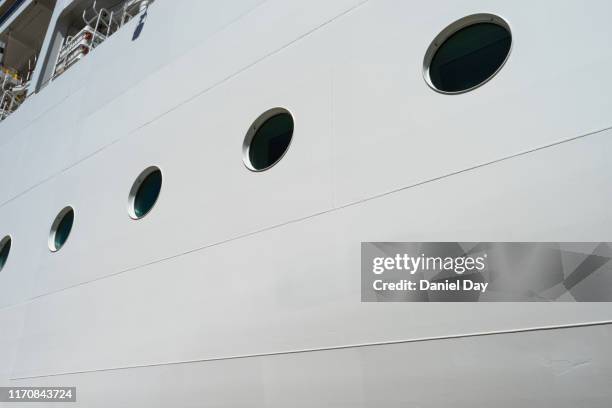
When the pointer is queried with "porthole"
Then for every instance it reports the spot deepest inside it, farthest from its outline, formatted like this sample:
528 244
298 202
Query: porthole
61 228
467 54
5 249
144 192
268 139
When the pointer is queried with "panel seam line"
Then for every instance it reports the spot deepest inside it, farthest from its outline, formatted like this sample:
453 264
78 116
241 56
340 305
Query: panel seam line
310 216
332 348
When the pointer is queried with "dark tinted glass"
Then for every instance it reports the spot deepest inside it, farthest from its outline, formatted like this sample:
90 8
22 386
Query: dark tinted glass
63 229
469 57
4 251
147 193
271 141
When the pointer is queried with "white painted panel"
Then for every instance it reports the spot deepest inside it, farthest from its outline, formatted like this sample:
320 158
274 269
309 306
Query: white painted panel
263 31
12 147
162 80
15 123
208 195
269 28
391 130
29 222
377 79
52 95
559 368
49 148
28 227
168 32
297 286
356 77
11 321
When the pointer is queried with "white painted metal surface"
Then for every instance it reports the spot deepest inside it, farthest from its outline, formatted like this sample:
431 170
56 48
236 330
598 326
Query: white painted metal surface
233 271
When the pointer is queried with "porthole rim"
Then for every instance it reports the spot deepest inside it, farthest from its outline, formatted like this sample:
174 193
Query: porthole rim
136 184
53 231
453 28
252 131
7 237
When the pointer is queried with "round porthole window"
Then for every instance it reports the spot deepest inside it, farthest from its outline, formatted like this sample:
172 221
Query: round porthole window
5 249
268 139
60 229
467 54
144 192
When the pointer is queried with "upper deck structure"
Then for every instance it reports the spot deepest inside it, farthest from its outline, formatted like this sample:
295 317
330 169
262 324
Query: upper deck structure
41 39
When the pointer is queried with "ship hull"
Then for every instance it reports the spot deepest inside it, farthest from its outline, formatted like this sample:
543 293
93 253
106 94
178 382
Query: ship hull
242 288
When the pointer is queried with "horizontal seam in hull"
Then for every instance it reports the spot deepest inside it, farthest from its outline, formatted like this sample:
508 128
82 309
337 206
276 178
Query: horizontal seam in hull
343 347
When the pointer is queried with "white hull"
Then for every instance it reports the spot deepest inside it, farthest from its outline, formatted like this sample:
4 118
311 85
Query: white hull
242 288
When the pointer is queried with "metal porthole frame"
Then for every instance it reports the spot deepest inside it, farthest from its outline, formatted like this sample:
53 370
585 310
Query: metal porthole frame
252 132
448 32
136 187
55 225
